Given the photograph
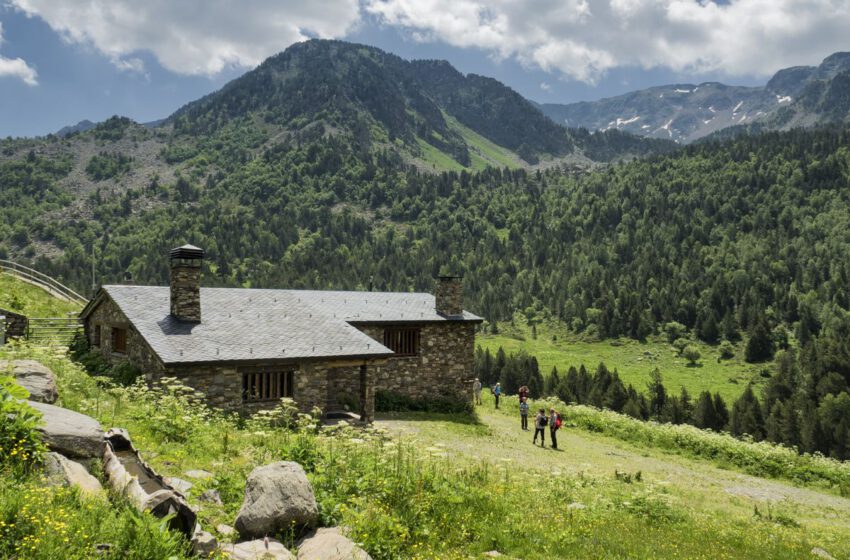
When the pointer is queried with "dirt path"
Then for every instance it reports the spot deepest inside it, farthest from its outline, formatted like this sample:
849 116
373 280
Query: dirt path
499 439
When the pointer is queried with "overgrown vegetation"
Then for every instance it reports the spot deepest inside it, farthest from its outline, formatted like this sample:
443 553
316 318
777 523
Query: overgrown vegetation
400 500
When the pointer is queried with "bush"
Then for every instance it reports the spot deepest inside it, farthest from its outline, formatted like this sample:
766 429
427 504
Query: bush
691 354
727 350
389 401
20 442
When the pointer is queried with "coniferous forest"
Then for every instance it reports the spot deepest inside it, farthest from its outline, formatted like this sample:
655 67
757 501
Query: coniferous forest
741 240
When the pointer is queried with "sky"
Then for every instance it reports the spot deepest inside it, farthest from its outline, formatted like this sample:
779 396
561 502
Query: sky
62 62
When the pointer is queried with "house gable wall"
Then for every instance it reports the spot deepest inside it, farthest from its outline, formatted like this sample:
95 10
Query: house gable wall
109 316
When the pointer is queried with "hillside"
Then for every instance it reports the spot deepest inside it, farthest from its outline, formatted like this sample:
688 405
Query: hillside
30 300
799 96
447 486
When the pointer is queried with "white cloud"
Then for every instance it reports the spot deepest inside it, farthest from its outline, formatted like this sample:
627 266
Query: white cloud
192 36
583 39
17 67
545 87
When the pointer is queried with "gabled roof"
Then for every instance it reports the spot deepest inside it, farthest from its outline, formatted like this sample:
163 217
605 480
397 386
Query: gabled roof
254 325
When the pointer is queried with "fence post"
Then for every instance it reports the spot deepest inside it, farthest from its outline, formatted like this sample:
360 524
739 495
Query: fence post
2 330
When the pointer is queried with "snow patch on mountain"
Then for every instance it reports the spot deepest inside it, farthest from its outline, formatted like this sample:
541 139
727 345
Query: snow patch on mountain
785 99
738 106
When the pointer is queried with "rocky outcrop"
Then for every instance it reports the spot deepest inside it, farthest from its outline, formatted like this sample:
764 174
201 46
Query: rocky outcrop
277 497
62 471
70 433
260 549
34 377
330 544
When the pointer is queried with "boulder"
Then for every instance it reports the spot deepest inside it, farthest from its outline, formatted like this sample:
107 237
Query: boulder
277 497
203 543
211 496
225 530
330 544
182 486
70 433
260 549
62 471
821 553
34 377
199 474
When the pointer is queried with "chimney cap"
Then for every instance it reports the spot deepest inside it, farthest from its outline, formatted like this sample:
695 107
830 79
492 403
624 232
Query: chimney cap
187 252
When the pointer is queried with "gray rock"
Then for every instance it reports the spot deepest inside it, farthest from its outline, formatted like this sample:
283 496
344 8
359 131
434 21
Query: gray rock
330 544
70 433
492 554
225 530
199 474
62 471
34 377
211 496
259 549
182 486
821 553
203 543
277 496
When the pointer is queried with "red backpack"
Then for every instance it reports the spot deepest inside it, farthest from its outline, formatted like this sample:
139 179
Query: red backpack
557 421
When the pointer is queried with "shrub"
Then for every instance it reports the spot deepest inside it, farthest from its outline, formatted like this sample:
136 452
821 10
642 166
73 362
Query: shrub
389 401
691 354
727 350
20 442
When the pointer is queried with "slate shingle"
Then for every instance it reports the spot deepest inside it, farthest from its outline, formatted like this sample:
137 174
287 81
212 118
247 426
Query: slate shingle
251 324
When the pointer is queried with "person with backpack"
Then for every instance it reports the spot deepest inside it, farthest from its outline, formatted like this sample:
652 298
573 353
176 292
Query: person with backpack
540 422
497 392
523 392
554 426
523 413
476 390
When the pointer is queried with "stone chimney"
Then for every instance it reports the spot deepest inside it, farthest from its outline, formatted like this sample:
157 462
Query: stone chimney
186 283
449 296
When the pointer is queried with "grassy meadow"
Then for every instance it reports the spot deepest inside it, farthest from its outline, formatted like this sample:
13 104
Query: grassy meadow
555 346
419 486
31 300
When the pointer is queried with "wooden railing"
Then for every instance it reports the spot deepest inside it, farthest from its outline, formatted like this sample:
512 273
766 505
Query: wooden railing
43 281
44 331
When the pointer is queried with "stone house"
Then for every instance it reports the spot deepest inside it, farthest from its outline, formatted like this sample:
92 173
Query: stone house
247 348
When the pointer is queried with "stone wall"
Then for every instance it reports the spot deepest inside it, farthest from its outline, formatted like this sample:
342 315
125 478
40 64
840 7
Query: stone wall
109 316
443 368
16 324
448 298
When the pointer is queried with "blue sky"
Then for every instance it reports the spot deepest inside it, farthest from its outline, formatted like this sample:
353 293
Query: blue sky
62 62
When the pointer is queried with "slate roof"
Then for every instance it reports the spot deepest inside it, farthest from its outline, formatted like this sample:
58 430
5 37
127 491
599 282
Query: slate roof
253 325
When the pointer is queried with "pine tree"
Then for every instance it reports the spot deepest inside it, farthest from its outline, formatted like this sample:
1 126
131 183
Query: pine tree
790 427
747 416
656 393
705 415
551 383
722 412
498 365
760 345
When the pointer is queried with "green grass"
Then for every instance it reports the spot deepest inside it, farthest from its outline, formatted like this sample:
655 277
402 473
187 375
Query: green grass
555 346
444 486
437 159
482 151
30 300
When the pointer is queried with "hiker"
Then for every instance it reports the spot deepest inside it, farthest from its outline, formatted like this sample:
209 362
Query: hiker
523 413
540 422
476 390
523 392
554 426
497 392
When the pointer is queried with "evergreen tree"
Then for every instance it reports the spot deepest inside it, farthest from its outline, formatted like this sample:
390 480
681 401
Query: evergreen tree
722 412
705 415
656 394
760 345
498 365
747 416
551 383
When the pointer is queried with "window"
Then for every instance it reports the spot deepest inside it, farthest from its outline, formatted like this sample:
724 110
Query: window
404 341
266 385
119 340
95 338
